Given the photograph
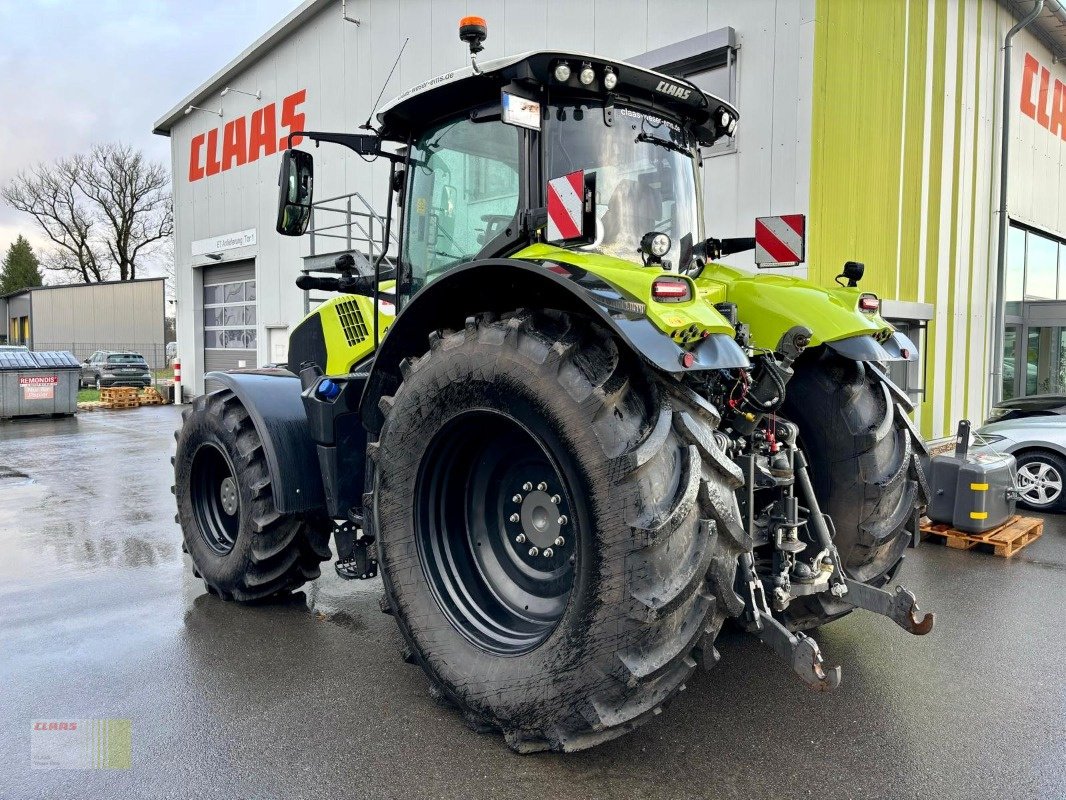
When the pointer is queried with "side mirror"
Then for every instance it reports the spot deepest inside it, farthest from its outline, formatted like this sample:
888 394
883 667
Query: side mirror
572 208
295 184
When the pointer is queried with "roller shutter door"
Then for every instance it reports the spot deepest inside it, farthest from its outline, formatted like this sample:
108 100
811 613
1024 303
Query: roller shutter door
230 317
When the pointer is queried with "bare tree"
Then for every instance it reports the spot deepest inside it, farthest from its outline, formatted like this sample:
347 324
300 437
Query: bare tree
51 196
105 211
132 198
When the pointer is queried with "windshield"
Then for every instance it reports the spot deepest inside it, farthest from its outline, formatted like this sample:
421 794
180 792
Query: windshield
645 177
125 358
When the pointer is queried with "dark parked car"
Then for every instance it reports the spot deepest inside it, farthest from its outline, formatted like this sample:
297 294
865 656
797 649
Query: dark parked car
1036 405
106 368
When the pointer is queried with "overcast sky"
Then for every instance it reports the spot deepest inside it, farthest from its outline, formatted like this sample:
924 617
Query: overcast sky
76 72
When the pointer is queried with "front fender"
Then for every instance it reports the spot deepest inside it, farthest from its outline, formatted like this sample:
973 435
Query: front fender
272 400
772 304
500 285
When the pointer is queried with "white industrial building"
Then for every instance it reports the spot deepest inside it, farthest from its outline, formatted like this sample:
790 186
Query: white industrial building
876 119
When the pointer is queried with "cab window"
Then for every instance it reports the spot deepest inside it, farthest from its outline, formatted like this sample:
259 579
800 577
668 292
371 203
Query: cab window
464 190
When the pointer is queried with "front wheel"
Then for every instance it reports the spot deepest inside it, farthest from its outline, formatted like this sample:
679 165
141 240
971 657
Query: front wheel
239 544
558 537
1040 481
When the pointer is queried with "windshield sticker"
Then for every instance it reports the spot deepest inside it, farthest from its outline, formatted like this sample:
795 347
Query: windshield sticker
650 119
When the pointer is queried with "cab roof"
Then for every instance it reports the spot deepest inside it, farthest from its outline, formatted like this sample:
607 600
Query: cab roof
422 105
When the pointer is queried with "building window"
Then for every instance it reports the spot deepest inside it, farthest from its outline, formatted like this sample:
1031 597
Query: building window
230 316
1036 268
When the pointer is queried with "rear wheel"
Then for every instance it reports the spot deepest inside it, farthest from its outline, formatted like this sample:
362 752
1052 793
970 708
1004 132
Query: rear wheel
239 544
1041 477
866 467
558 537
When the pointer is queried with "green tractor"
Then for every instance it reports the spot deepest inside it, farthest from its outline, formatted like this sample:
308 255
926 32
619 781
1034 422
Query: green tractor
573 443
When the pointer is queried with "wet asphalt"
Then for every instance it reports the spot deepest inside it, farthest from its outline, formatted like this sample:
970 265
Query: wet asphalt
100 617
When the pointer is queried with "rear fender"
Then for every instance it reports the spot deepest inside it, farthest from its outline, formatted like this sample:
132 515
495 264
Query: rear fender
272 399
500 285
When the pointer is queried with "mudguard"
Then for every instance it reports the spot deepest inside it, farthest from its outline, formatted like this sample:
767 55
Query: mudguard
499 285
771 304
272 399
898 347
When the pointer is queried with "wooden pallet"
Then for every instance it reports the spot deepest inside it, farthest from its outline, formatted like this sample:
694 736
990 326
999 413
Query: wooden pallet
150 396
1005 540
118 397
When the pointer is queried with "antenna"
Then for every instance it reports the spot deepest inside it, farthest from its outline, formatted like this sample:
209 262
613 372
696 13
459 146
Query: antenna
367 126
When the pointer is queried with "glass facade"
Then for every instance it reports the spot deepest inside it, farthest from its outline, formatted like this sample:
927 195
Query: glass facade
1036 268
1034 342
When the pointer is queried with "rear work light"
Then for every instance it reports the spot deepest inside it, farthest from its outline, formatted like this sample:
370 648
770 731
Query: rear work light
869 303
671 290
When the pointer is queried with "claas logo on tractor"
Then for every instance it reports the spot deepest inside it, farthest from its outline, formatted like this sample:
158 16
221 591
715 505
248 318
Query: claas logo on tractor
571 441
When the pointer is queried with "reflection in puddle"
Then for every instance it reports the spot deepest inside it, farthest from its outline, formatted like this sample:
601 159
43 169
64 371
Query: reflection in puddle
69 547
9 476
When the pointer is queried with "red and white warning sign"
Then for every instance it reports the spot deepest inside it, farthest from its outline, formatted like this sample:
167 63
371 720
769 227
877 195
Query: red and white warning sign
780 241
566 207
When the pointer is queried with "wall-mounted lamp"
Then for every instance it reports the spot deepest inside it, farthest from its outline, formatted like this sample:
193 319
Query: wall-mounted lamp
191 109
258 94
213 256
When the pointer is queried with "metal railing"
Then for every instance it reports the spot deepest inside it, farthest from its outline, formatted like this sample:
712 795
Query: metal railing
351 226
343 224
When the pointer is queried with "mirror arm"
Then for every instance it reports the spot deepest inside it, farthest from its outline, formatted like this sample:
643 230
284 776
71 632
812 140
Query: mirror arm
716 248
364 144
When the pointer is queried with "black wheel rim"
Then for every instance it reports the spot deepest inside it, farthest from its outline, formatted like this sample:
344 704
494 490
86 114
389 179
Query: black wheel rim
495 532
215 499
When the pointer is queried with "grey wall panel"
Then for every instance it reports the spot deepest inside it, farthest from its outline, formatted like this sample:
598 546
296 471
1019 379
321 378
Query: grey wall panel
108 315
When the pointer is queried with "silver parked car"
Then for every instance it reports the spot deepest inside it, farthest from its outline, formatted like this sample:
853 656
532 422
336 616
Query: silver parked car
1037 439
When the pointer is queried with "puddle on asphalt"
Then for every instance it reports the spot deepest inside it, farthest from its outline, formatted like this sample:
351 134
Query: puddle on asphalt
9 476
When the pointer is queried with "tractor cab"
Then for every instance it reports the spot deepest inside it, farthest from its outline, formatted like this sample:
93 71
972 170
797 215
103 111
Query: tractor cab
481 150
479 176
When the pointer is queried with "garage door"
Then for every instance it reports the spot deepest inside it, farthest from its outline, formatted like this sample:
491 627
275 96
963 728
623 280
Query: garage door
229 317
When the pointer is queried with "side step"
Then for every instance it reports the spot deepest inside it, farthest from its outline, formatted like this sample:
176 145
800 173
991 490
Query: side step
356 558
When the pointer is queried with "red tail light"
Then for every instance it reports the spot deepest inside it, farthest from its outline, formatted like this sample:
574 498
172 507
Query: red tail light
671 290
869 302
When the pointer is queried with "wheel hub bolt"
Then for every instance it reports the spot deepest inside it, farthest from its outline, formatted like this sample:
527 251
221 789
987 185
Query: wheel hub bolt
548 552
562 519
542 486
527 487
559 541
517 498
533 551
515 518
556 499
520 538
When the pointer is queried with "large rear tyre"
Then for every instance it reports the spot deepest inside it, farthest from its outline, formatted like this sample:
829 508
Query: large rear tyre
239 544
866 467
557 535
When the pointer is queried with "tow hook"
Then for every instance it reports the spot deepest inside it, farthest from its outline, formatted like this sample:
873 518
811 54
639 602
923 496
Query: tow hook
899 606
800 651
